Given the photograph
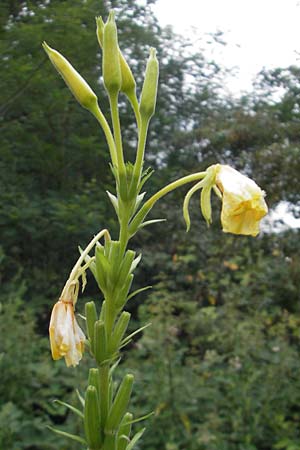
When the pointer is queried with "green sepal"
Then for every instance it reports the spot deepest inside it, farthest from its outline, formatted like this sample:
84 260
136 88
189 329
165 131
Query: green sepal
70 407
119 405
92 423
73 437
91 317
124 432
100 342
186 202
119 331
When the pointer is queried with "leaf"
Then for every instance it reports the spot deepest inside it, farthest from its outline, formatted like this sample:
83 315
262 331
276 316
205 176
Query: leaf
130 336
135 263
80 398
70 407
74 437
135 438
150 222
139 419
138 291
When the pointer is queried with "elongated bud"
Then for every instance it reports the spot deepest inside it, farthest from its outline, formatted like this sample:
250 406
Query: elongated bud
92 424
94 380
119 331
100 342
91 317
79 87
128 84
149 91
111 62
120 404
124 431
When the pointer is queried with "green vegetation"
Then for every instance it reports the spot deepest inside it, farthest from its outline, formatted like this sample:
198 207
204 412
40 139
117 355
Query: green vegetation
222 353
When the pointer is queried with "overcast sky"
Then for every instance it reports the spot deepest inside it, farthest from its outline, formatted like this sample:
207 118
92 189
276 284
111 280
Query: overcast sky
259 33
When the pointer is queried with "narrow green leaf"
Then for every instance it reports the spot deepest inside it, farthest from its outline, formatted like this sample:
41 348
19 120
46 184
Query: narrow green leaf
74 437
70 407
80 398
135 438
139 419
133 294
130 336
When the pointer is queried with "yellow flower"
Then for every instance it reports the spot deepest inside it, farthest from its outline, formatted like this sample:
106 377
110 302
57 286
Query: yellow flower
66 337
243 202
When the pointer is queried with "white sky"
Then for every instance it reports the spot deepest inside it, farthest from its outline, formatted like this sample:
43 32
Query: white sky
259 33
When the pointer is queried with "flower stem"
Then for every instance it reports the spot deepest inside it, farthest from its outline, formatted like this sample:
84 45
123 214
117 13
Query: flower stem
108 134
140 216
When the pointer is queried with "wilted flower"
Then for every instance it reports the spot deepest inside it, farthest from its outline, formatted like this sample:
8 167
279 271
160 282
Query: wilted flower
243 201
66 337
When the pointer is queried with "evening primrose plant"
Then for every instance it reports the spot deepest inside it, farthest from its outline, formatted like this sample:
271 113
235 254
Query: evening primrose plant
106 420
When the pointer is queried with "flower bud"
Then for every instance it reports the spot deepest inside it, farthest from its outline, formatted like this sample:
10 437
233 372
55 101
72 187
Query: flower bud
111 62
91 317
128 82
79 87
149 91
92 423
100 342
120 404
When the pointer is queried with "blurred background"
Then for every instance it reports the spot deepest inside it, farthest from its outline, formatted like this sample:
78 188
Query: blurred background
220 364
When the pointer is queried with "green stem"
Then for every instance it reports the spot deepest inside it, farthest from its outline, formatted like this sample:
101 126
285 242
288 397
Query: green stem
113 99
133 226
74 273
138 165
108 134
135 106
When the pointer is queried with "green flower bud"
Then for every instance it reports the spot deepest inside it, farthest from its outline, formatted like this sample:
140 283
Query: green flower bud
111 62
94 380
149 91
128 82
120 404
119 331
79 87
92 424
100 342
